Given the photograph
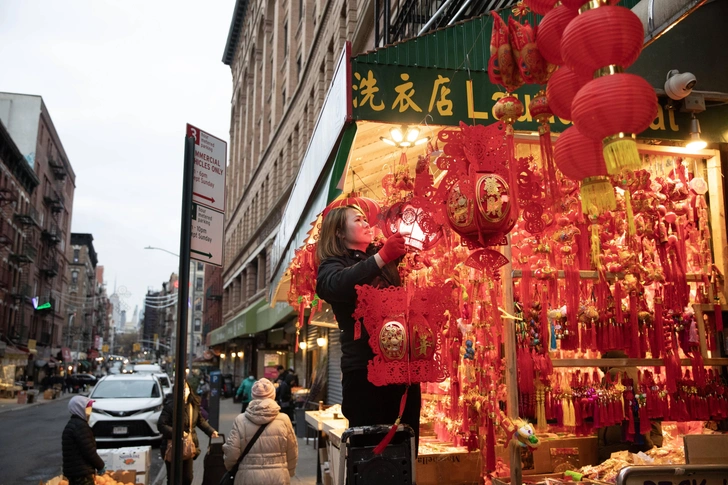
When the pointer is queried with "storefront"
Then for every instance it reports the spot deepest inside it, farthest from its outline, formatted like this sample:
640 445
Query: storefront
633 290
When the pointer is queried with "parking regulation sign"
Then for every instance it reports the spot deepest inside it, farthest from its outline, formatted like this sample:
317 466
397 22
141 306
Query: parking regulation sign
208 188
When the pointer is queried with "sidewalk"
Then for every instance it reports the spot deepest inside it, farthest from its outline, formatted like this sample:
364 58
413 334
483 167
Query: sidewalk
7 405
305 471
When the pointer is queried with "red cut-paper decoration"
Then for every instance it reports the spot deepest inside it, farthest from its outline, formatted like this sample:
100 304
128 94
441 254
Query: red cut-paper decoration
405 333
367 205
502 67
602 37
561 90
487 260
550 32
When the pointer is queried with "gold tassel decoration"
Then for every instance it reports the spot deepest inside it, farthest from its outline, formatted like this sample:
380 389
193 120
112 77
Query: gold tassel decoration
597 192
620 153
630 214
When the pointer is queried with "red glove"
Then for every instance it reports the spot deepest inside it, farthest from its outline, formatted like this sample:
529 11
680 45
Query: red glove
393 248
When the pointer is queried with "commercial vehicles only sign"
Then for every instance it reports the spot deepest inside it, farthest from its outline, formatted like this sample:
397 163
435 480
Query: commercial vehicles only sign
208 188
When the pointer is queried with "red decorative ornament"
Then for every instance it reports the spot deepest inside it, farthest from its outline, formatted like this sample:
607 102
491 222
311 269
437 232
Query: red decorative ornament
367 205
508 109
602 37
550 32
540 7
502 68
404 332
541 112
534 69
573 4
614 109
580 158
561 90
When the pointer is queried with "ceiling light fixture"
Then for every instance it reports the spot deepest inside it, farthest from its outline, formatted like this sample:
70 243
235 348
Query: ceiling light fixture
695 143
404 137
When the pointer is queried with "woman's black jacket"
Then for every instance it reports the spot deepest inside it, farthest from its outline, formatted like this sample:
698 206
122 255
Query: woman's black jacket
79 449
166 421
335 284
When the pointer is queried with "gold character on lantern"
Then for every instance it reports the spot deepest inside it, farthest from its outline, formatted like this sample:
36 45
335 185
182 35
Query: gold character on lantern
367 89
405 91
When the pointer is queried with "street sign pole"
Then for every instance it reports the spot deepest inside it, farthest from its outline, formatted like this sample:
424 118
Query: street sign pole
182 308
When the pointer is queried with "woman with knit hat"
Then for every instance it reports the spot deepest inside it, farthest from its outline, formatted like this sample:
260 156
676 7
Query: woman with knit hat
273 456
80 459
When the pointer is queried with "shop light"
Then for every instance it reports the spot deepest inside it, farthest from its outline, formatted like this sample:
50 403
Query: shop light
302 345
695 143
240 355
321 341
222 355
404 137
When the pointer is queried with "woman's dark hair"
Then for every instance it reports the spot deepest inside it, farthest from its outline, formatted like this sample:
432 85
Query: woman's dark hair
331 238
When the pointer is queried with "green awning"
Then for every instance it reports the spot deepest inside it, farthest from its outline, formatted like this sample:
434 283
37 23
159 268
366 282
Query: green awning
257 317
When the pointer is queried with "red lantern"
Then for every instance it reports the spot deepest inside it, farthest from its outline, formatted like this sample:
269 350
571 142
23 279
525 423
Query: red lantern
369 207
580 158
561 90
550 32
508 109
540 7
614 109
415 219
573 4
602 37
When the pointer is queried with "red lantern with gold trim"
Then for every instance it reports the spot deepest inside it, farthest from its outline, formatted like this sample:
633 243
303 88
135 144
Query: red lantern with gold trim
540 7
580 158
550 32
367 205
602 37
561 90
614 109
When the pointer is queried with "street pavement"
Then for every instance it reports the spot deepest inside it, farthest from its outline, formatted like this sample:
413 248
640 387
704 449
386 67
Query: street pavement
31 444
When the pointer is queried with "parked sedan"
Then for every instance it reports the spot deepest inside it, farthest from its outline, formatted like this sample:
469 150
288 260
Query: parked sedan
80 380
126 408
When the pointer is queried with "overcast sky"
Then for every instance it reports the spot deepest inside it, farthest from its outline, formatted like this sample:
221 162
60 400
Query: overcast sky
120 80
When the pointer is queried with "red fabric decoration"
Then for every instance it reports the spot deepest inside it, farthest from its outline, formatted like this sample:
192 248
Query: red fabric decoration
502 67
550 31
561 90
540 7
404 332
612 105
534 69
602 37
367 205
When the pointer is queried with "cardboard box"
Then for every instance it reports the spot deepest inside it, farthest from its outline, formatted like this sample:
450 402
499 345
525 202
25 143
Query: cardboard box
706 449
449 469
48 394
108 457
539 461
135 458
142 479
529 478
125 476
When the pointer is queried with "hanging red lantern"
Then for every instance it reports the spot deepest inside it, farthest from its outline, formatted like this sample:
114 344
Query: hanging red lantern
550 31
580 158
540 7
415 219
369 207
602 37
573 4
614 109
508 109
561 90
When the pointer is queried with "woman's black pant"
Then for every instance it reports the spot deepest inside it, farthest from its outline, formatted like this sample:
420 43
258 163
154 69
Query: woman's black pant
186 472
365 404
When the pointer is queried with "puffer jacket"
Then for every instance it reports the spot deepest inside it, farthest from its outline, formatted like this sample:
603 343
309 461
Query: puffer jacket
165 422
80 458
272 459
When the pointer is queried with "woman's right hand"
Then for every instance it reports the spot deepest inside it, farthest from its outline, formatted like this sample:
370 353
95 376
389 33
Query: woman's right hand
393 248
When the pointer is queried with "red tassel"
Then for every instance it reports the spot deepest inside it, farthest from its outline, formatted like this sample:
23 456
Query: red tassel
357 330
393 430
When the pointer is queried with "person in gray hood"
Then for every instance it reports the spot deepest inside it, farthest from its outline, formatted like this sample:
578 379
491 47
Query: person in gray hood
80 459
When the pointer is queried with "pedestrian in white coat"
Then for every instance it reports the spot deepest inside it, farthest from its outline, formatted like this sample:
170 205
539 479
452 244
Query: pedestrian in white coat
272 458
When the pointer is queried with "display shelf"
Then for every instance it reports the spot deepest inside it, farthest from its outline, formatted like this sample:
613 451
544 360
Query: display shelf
631 362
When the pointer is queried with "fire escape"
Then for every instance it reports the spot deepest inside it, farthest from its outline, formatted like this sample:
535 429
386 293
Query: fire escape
24 253
395 21
8 195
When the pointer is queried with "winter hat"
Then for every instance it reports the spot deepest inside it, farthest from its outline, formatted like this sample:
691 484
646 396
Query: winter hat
77 406
264 389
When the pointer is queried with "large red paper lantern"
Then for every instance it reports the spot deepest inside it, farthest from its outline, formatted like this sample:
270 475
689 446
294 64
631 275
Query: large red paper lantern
561 90
550 31
573 4
580 158
614 109
367 205
602 37
540 7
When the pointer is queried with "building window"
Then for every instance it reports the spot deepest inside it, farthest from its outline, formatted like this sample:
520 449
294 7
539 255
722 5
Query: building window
74 278
198 284
300 9
285 39
298 68
198 304
283 95
197 324
200 266
76 255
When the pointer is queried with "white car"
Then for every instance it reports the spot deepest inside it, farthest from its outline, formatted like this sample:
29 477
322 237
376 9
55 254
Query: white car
126 408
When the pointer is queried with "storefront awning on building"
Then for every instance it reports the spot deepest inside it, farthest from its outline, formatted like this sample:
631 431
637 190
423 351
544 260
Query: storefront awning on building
257 317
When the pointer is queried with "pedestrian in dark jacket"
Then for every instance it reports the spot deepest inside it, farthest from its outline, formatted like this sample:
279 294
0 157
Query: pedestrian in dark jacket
347 259
192 415
80 459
